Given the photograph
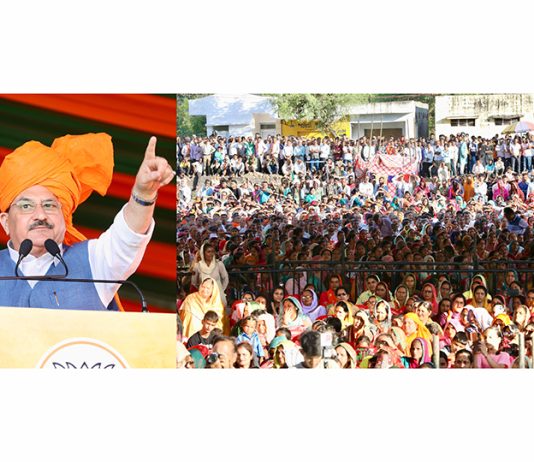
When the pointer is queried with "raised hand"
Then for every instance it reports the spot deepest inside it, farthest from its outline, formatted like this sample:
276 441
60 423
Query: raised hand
153 173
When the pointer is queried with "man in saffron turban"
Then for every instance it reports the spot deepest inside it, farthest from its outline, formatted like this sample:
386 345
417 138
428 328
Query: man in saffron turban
40 188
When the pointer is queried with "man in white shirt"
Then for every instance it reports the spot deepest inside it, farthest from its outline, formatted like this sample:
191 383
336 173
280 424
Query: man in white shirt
40 188
366 187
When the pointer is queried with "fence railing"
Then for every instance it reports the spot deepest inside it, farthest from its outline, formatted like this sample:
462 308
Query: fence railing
265 278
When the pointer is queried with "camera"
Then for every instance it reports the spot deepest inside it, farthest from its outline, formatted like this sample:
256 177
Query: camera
211 359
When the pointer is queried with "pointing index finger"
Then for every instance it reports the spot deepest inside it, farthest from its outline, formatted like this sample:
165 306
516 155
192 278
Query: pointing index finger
150 152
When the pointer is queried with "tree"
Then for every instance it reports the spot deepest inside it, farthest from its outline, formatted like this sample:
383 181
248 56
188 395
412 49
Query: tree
188 125
323 108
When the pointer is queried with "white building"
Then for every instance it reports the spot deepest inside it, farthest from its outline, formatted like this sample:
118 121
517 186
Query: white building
399 118
481 115
236 115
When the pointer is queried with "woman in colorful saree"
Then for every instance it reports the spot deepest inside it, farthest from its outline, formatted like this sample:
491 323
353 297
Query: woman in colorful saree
346 356
293 318
196 305
413 327
420 353
310 305
430 294
487 351
400 299
382 316
341 311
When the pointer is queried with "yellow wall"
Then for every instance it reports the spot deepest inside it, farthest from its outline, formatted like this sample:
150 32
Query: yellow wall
309 129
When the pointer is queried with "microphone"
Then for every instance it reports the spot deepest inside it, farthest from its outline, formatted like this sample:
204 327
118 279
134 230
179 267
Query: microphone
24 250
53 249
144 307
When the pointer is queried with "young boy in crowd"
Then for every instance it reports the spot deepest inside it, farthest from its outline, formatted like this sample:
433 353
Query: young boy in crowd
206 335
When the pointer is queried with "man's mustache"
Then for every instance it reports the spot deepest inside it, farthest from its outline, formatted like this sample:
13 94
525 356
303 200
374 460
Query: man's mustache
38 223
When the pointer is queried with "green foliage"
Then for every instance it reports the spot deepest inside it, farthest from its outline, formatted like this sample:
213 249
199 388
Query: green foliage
324 108
189 125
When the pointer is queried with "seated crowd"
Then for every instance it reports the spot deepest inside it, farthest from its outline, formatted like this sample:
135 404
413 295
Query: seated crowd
356 270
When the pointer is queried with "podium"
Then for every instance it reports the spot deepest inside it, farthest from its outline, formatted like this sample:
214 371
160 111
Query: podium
73 339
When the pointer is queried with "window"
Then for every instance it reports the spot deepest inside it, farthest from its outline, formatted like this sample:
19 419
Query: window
267 126
220 128
462 122
506 120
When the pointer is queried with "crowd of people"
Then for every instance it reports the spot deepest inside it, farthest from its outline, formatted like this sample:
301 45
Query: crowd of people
296 156
346 268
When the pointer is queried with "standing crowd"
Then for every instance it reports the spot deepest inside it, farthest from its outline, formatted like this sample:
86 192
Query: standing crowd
290 156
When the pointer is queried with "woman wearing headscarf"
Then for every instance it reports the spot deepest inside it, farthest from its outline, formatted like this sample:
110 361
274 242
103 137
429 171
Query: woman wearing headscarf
342 311
420 353
387 342
444 289
413 327
429 273
266 328
361 326
521 317
449 331
511 276
382 316
196 305
487 352
500 189
400 299
430 294
424 311
481 298
382 291
207 265
478 279
346 356
410 281
285 353
387 354
310 305
469 189
293 318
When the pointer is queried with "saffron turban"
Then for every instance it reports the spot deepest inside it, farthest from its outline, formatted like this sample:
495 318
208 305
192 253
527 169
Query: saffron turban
72 168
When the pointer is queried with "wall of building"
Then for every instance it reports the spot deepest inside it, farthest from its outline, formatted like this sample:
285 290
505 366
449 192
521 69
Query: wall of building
310 130
358 129
484 109
260 119
233 130
411 117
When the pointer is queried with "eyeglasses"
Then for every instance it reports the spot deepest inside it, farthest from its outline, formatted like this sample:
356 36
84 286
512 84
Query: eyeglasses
27 206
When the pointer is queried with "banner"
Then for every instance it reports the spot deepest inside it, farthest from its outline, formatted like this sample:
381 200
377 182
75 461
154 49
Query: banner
72 339
392 164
